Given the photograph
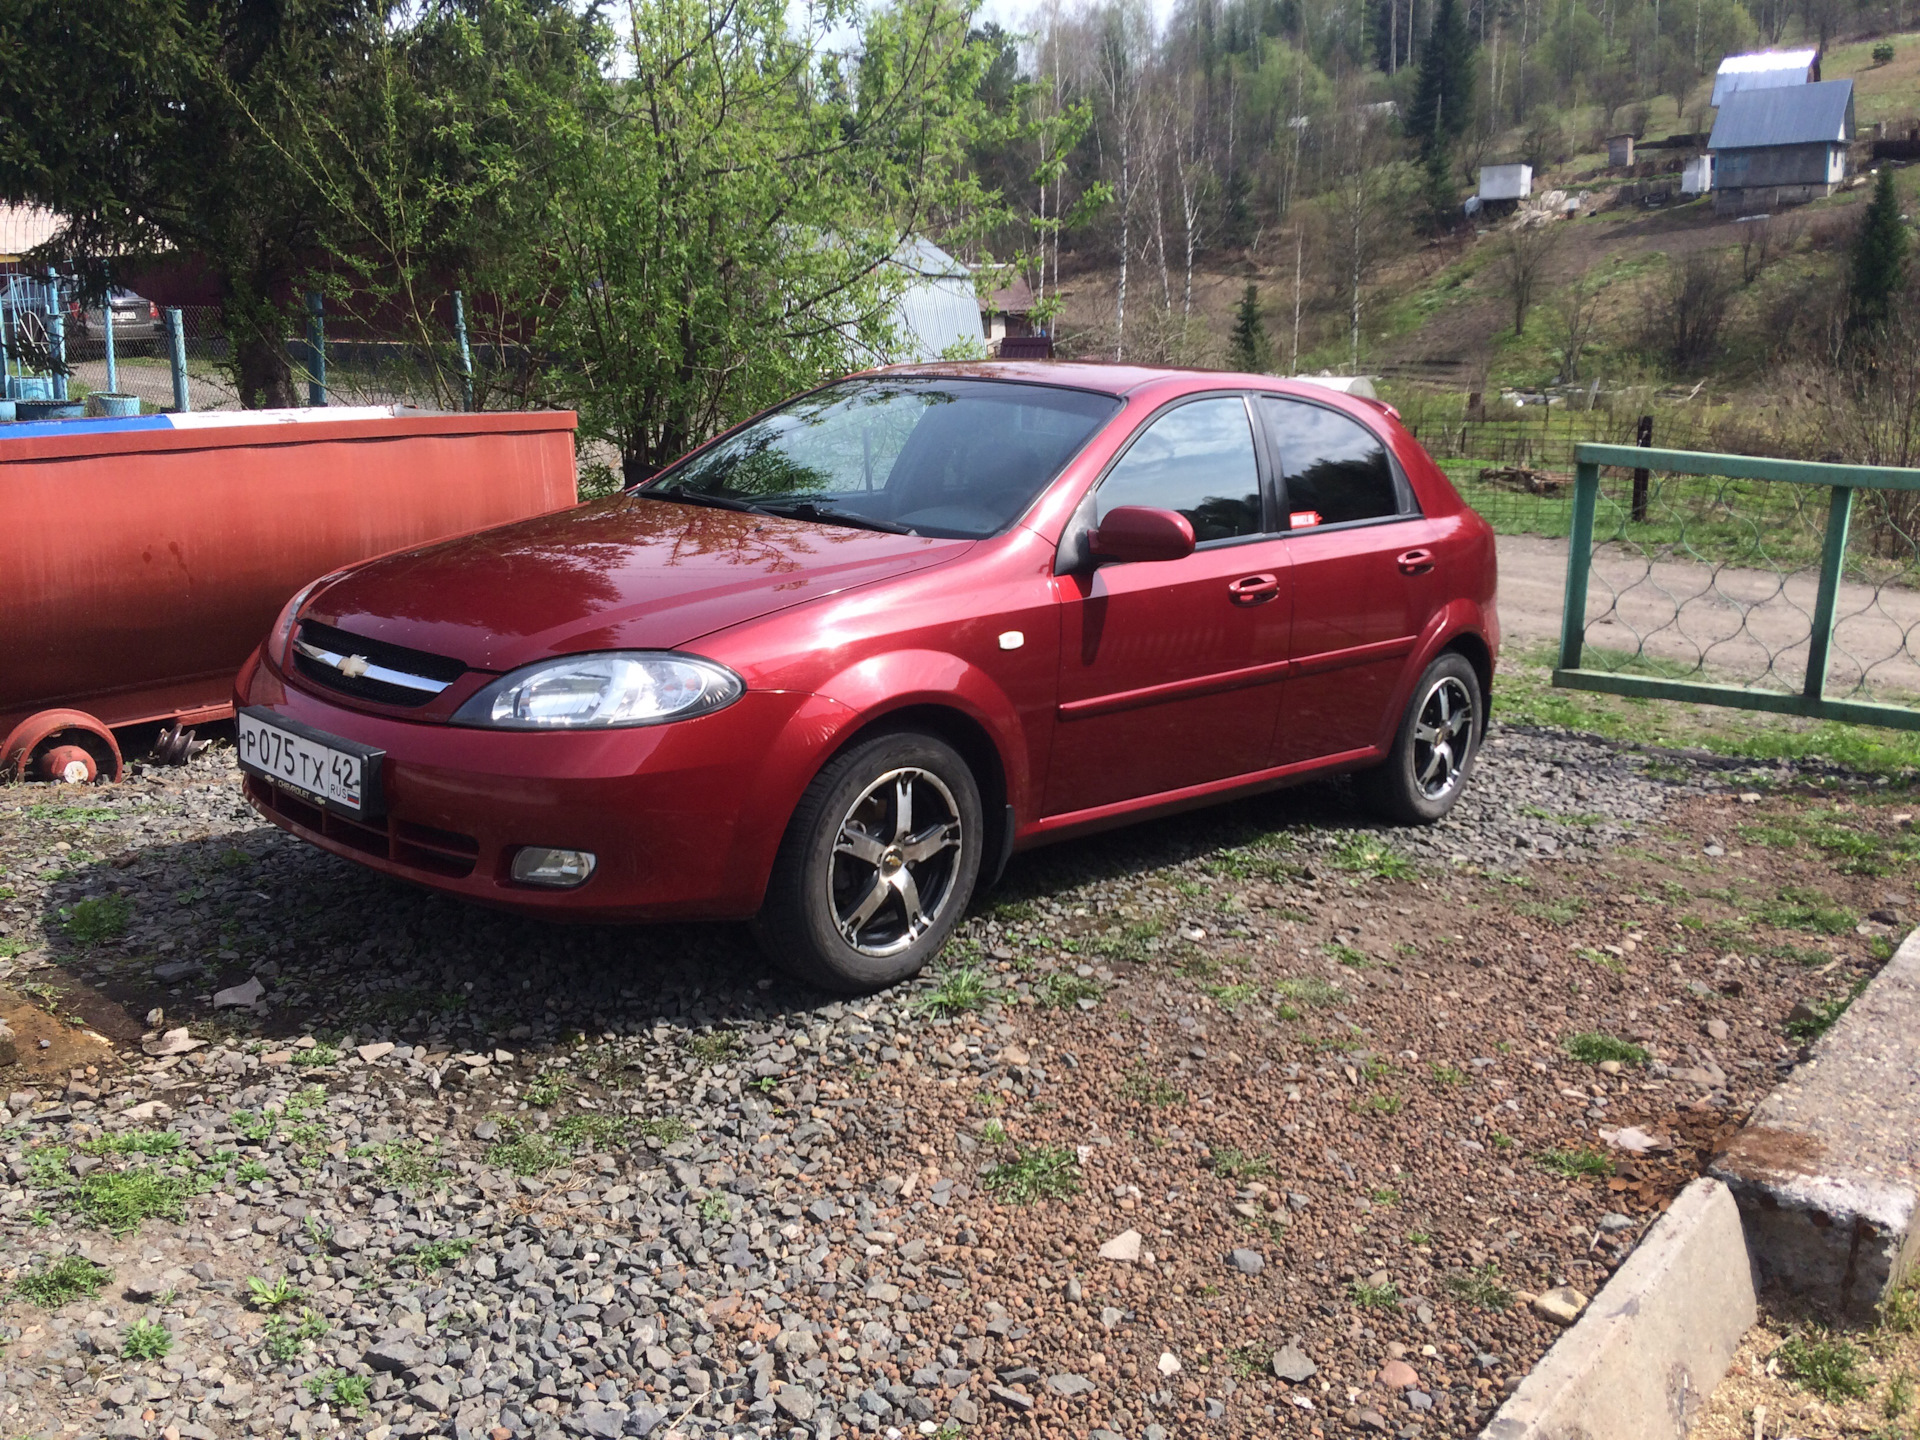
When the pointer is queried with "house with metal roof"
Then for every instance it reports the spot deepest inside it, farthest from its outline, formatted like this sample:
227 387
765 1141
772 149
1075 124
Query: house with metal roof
1780 146
1765 70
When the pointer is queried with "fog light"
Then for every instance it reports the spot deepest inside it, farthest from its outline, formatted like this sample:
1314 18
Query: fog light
561 869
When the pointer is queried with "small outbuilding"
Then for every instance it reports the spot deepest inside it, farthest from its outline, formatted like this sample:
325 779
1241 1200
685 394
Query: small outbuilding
1619 150
1765 70
1697 177
1784 146
1504 186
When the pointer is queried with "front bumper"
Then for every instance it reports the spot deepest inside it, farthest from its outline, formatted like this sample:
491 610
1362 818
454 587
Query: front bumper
684 818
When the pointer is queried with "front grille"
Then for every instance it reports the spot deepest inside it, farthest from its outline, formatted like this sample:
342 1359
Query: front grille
421 847
434 672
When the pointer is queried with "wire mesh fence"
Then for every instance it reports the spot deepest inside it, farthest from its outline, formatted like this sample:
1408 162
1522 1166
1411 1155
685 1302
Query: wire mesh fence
1796 585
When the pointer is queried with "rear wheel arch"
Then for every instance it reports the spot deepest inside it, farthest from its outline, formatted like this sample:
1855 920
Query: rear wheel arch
1471 645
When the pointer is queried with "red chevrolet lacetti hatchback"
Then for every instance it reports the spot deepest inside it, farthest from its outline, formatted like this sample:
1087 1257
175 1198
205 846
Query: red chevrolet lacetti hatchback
830 670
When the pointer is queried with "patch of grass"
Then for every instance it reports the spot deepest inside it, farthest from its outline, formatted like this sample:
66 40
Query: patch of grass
715 1210
993 1133
1376 1297
1594 1047
667 1129
1369 856
277 1296
104 917
1133 942
1138 1084
69 814
1059 991
958 992
546 1088
248 1171
1800 955
1347 954
71 1277
1900 1311
404 1165
145 1340
136 1142
47 1167
284 1339
1310 990
1231 997
1449 1074
1246 1362
1825 1014
1043 1173
713 1047
1386 1196
321 1054
1554 912
1798 908
1379 1105
347 1392
1481 1287
424 1260
1827 1367
1236 1165
122 1201
1574 1164
1899 1397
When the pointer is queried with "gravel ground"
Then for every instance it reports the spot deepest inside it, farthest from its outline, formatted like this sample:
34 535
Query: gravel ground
1247 1123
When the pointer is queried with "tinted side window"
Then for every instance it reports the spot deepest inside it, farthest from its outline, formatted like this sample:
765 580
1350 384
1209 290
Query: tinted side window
1197 459
1334 469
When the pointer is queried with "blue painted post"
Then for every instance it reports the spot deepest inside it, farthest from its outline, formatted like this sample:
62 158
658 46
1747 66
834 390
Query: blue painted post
466 355
6 364
106 328
316 350
177 357
56 336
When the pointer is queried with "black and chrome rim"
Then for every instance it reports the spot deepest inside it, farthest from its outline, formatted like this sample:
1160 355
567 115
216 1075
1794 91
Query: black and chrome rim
895 857
1442 737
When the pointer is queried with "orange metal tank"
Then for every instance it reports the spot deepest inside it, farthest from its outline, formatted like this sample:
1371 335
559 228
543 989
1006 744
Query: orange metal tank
142 560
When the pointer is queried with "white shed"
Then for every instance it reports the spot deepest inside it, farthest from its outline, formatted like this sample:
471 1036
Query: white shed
1697 177
937 314
1506 182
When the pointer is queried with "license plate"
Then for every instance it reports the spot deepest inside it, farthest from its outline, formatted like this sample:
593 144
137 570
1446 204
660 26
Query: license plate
342 774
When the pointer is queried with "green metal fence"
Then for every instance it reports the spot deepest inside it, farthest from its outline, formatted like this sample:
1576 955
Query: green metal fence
1762 584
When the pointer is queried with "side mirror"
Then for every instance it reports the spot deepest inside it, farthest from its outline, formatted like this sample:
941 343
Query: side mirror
1142 532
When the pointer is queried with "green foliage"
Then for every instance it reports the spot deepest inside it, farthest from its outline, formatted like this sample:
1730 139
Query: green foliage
1140 1084
1310 990
1367 855
548 1086
105 917
1883 53
1235 1165
135 1142
714 1046
958 992
667 1129
1376 1297
277 1296
1826 1366
1878 265
1575 1163
1823 1014
348 1392
53 1284
424 1260
1799 908
1482 1287
285 1339
1248 348
121 1201
145 1340
1041 1173
1060 991
1592 1047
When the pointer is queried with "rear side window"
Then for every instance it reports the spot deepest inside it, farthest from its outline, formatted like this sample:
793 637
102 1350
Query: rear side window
1197 459
1334 469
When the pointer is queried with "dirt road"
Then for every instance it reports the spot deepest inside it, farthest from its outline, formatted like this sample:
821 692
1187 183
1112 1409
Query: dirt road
1743 626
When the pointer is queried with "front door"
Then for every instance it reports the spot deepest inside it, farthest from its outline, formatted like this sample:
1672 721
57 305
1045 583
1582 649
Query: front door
1169 670
1366 577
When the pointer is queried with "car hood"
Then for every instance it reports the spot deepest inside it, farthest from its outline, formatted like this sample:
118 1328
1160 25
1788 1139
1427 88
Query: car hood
623 573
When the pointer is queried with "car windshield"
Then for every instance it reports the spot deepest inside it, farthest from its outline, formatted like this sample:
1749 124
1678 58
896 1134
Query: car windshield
950 458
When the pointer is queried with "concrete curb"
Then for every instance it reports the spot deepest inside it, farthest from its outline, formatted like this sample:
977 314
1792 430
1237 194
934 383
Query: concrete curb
1650 1349
1827 1170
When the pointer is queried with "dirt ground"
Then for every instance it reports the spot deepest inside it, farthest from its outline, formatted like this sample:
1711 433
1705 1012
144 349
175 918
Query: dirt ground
1259 1121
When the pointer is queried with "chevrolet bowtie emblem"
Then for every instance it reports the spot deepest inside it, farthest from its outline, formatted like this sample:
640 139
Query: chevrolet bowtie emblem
353 666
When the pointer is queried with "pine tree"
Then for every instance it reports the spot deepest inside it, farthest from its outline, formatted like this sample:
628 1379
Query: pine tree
1879 260
1250 348
1438 188
1443 99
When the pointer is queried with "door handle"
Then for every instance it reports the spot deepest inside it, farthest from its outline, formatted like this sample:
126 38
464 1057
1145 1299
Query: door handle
1414 562
1253 589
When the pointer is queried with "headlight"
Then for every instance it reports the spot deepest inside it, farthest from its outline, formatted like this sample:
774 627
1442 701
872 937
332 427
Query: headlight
624 687
282 634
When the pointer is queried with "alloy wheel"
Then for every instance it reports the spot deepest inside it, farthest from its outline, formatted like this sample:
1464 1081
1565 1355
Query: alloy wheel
895 857
1442 735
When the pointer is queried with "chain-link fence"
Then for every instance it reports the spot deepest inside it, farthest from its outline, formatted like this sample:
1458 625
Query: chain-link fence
1786 586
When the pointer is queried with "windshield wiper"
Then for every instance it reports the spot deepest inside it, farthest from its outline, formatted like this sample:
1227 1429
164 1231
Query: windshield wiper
696 497
810 510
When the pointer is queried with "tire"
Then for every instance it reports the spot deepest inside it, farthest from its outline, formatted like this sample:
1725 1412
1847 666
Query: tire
1433 749
850 879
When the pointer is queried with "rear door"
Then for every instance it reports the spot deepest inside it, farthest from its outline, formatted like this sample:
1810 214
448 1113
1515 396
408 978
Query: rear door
1169 670
1366 580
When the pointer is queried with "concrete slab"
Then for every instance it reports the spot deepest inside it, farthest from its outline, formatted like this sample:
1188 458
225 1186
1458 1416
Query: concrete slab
1827 1170
1642 1360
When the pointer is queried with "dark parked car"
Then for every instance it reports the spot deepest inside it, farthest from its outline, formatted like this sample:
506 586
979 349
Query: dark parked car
827 672
134 318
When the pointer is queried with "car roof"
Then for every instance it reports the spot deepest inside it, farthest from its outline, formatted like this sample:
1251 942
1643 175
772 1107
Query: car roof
1106 377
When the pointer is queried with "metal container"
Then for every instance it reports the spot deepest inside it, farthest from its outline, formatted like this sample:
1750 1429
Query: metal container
105 403
141 560
49 409
6 411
